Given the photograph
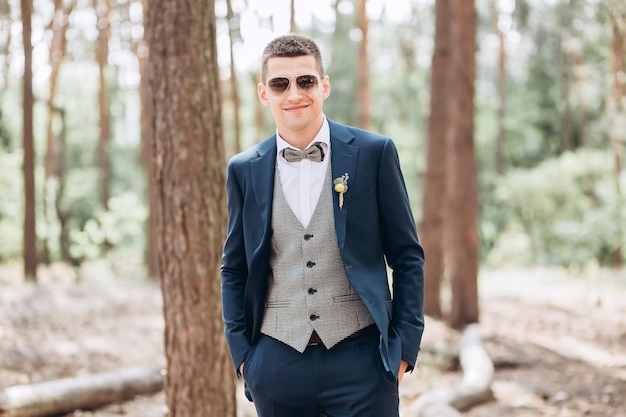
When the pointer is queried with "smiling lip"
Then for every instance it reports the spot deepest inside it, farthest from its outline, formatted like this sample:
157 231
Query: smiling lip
294 108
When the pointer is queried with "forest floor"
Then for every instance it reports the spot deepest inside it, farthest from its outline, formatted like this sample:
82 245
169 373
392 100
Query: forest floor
558 340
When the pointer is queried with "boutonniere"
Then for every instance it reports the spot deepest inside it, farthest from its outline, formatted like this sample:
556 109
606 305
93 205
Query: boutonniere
341 186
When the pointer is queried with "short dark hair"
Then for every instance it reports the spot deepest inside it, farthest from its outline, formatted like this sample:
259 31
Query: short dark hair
290 46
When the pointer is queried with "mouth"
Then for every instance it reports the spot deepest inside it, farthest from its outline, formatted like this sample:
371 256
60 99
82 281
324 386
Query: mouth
296 108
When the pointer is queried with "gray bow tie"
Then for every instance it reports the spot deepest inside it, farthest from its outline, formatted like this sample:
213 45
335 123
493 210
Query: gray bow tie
313 153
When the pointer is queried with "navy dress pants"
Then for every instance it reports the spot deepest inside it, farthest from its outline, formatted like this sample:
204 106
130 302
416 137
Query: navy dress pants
347 380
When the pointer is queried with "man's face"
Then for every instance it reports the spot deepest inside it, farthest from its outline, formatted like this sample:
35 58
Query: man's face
298 110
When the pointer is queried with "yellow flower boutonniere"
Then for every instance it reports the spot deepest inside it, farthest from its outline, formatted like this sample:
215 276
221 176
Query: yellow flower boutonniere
340 185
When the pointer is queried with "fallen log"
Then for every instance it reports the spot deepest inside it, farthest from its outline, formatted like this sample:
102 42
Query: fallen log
475 388
87 392
438 410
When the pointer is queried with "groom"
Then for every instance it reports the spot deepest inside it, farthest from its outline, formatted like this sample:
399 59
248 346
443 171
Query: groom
317 213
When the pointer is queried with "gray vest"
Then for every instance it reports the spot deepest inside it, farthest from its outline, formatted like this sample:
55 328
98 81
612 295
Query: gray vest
309 289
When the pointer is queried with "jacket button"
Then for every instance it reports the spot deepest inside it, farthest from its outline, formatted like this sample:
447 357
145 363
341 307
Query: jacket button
313 317
308 237
310 264
312 291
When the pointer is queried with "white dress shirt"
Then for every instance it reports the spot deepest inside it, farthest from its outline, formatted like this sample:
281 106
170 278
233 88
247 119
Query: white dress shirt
302 181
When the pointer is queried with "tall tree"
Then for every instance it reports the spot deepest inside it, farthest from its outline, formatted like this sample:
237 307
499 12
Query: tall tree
58 47
617 17
142 51
30 236
364 95
502 61
63 212
435 177
462 189
103 11
567 129
579 74
234 36
189 174
292 17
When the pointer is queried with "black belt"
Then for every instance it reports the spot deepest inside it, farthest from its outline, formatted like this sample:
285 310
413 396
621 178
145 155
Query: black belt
316 340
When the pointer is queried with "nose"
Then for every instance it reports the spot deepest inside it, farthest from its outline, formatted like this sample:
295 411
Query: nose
293 90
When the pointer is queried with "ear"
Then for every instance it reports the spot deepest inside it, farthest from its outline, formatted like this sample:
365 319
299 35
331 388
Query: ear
326 87
262 92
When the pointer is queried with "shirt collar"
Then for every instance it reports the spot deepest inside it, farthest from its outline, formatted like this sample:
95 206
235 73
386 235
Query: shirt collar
322 136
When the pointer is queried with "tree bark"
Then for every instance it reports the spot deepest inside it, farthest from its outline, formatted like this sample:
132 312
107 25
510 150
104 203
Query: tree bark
502 60
579 74
617 137
234 35
567 137
461 228
61 396
431 230
30 237
103 11
58 48
189 175
142 50
292 17
58 171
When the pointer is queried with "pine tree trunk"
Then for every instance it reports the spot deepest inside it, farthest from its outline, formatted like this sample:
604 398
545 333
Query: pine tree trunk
142 51
234 35
103 10
462 189
57 53
567 135
618 138
189 175
501 138
30 236
292 17
431 230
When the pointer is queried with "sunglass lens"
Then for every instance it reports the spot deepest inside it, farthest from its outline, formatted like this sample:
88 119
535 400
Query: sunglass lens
278 85
306 82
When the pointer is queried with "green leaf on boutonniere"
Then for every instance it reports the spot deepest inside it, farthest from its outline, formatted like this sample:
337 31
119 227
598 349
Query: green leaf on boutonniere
340 185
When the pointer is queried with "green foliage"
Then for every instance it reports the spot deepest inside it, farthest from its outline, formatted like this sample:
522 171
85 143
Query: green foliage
121 226
11 205
5 138
564 212
88 225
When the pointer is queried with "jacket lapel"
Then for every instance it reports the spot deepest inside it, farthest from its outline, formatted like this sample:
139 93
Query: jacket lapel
344 161
262 171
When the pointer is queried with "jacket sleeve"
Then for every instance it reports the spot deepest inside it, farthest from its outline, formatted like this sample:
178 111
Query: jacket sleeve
234 272
404 255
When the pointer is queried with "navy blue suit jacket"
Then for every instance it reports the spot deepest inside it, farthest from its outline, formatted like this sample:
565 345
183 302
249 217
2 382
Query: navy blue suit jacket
374 225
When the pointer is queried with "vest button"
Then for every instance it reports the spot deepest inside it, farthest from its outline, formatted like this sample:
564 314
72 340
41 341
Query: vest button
313 317
310 264
312 291
308 237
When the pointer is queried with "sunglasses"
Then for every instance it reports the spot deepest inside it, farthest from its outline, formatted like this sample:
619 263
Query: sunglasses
279 85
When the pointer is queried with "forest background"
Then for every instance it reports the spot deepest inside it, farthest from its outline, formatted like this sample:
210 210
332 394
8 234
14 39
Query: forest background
549 135
546 132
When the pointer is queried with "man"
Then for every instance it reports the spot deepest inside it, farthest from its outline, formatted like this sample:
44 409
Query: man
314 212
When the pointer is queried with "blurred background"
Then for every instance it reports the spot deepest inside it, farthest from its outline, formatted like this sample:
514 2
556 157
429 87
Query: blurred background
549 125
